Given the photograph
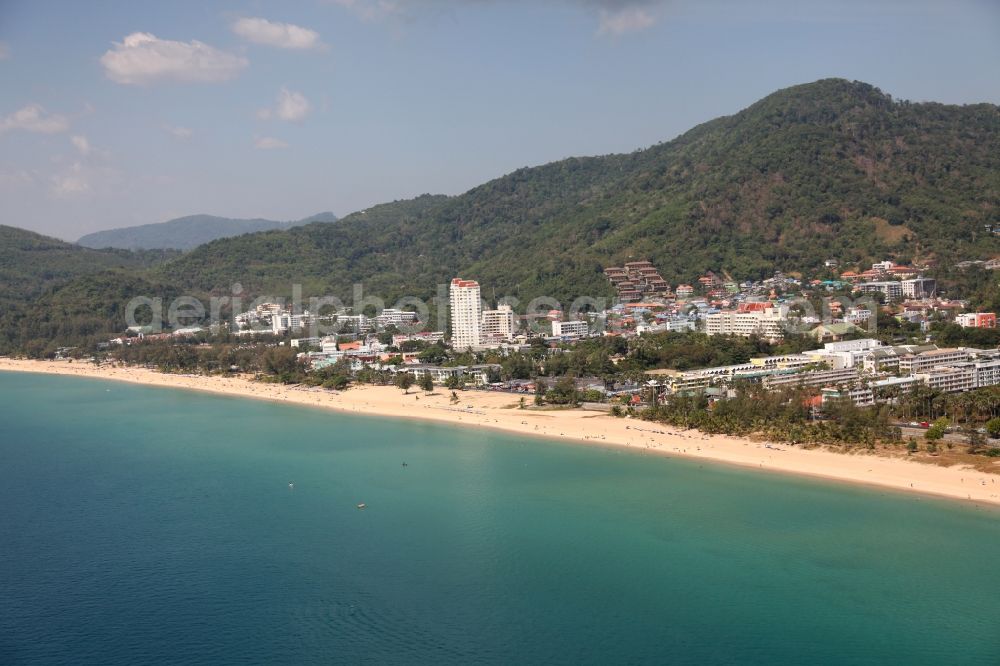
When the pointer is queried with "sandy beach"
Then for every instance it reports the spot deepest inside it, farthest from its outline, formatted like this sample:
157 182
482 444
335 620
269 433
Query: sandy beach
499 411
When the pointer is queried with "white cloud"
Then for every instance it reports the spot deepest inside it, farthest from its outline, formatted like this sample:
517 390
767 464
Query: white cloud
81 143
86 176
617 22
371 10
179 132
143 58
34 118
290 106
281 35
73 181
268 143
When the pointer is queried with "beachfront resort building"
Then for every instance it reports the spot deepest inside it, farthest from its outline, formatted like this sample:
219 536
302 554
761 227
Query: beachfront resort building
466 314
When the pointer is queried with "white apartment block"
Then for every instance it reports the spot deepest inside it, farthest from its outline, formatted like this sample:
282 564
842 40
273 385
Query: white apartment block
846 354
575 328
466 314
286 321
913 364
919 287
353 323
857 315
430 337
950 379
890 289
391 317
498 325
987 372
767 324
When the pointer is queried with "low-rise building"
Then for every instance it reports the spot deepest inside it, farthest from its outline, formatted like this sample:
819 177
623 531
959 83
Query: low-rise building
574 328
473 374
498 325
987 372
920 287
398 318
920 361
430 337
892 290
950 379
845 354
977 320
841 377
766 322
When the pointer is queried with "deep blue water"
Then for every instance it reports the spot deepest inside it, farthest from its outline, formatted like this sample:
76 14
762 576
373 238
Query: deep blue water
153 526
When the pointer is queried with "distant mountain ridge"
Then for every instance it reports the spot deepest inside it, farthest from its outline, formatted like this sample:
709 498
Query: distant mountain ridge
187 233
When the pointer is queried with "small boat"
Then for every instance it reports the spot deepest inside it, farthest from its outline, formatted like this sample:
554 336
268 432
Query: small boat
291 486
362 505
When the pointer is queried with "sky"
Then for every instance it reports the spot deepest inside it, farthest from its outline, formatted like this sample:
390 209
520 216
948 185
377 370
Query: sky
117 113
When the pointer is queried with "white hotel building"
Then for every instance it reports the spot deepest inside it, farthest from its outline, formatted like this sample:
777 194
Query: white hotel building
769 323
497 325
466 314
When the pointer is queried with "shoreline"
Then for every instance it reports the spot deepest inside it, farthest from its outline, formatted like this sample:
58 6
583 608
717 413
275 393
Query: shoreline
499 411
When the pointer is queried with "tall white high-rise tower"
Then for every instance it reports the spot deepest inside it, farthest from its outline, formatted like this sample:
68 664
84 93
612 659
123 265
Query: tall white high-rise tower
466 314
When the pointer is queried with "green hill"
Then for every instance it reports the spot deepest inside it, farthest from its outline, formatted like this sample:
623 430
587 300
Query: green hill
34 267
832 169
30 263
186 233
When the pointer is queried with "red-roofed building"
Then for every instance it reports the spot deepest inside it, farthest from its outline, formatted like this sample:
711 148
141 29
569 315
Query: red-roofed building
756 306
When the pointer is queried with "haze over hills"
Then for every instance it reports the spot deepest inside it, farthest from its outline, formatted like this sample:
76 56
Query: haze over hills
186 233
827 170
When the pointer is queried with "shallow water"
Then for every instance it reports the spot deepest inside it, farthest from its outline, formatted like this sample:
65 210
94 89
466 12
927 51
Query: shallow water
146 525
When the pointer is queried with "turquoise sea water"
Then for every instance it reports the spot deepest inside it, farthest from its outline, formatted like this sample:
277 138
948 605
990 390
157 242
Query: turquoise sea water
153 526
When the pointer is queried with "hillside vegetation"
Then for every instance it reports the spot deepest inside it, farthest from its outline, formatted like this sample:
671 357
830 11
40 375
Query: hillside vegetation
831 169
34 267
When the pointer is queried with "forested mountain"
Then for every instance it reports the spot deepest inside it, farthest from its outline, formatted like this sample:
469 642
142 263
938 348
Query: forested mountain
34 267
186 233
831 169
31 263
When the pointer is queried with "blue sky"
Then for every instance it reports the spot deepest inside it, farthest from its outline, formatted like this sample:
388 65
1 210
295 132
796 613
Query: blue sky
120 113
